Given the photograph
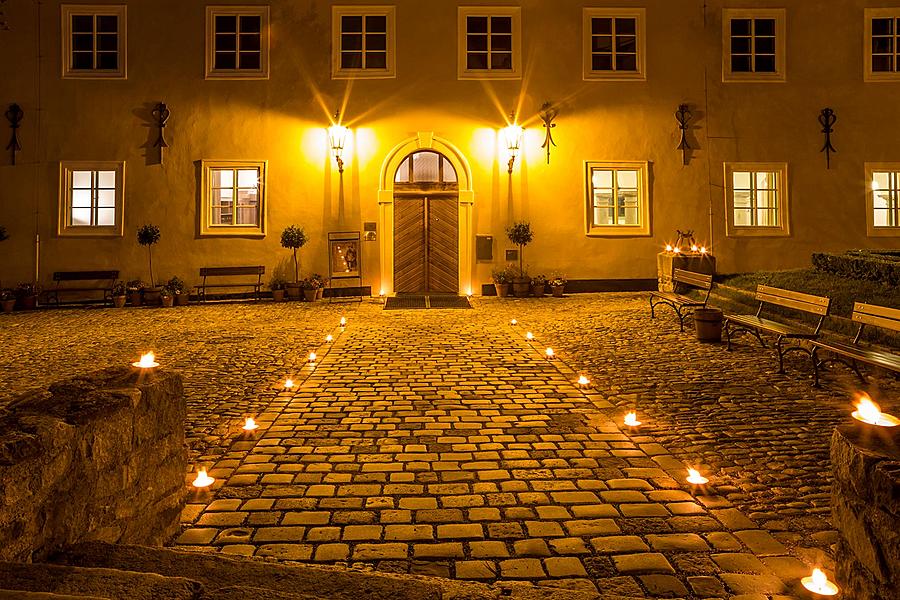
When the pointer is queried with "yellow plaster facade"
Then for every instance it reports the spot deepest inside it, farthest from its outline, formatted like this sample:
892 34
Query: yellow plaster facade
282 119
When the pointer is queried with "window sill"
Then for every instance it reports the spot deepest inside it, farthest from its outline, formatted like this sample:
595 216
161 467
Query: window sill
117 75
614 76
489 75
91 232
618 231
754 78
757 232
222 232
364 74
237 75
881 232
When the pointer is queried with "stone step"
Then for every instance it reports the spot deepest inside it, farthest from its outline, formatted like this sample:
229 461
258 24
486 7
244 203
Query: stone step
115 584
221 575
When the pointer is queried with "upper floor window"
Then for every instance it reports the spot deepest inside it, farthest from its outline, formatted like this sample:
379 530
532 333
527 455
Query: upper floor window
756 199
234 198
94 41
882 53
490 40
614 44
363 42
618 201
753 44
237 42
883 205
91 198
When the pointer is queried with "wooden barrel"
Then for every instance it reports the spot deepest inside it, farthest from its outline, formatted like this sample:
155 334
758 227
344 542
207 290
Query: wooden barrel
708 323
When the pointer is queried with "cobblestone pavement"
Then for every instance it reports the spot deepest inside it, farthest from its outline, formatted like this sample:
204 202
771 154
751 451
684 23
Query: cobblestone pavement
441 442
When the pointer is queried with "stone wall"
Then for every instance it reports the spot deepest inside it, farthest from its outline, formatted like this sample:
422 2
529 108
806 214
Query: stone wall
100 457
865 506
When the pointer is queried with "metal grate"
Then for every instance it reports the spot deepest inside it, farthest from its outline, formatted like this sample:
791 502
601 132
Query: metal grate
424 302
448 302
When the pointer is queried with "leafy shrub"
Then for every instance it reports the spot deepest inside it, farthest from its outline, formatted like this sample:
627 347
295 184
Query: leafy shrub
867 266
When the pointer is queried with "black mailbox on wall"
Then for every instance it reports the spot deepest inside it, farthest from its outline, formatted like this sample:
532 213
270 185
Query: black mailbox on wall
484 247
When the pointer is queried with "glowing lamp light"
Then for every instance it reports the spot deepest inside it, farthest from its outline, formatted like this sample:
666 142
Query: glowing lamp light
250 424
677 250
669 248
343 321
818 583
703 250
694 248
870 413
148 361
583 381
549 353
289 384
513 322
512 136
529 336
203 480
694 477
329 338
631 420
312 357
337 137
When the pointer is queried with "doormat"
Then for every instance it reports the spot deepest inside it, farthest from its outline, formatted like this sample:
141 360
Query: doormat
425 302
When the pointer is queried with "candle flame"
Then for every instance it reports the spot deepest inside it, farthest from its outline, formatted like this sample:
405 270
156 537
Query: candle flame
288 384
549 352
328 338
343 321
250 424
676 250
695 477
694 248
203 480
702 249
818 584
148 361
312 357
513 322
668 247
582 380
631 419
529 336
869 412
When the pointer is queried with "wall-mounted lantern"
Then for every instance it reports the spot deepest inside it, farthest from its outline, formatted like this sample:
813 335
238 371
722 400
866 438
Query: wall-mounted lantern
337 137
512 136
548 114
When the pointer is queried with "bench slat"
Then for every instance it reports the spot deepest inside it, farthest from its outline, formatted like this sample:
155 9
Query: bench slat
84 275
868 355
677 298
879 316
225 271
693 278
817 305
770 326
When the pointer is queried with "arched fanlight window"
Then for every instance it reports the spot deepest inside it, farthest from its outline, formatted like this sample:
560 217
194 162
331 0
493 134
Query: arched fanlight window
425 166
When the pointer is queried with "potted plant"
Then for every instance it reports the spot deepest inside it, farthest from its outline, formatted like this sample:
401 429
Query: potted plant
321 284
7 300
538 286
135 288
558 285
179 290
501 279
118 294
147 235
277 287
294 237
309 289
166 297
26 295
521 235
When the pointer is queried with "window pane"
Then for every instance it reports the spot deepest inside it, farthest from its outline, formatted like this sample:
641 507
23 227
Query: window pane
353 41
742 199
81 217
82 24
627 179
108 24
106 198
766 180
882 27
107 60
81 198
376 60
352 24
602 179
108 42
501 24
626 27
741 180
248 178
476 61
250 41
425 166
601 43
477 24
767 218
881 218
881 180
601 25
741 64
251 24
247 216
741 45
82 179
402 175
765 199
740 27
449 171
765 45
226 42
106 217
223 178
765 64
376 23
248 197
882 45
501 42
376 41
226 24
501 62
625 43
250 60
742 217
351 60
626 62
882 64
477 43
83 42
765 27
601 62
82 60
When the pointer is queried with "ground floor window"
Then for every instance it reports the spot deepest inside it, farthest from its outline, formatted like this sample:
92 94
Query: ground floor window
883 205
756 199
91 198
233 199
617 198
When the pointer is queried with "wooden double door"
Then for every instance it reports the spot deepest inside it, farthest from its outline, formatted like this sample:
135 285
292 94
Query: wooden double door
426 244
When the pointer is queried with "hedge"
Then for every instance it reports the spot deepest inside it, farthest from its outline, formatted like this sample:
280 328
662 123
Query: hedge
883 267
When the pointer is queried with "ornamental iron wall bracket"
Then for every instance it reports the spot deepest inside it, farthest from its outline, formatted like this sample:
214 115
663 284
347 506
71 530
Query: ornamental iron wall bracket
548 115
683 116
14 115
161 115
827 119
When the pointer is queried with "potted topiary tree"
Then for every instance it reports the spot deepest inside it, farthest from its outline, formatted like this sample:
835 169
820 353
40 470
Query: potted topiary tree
294 237
147 235
521 235
118 294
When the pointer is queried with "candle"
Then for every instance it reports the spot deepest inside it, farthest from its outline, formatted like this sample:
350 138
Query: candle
329 338
312 357
343 321
148 361
513 322
870 413
693 247
818 584
694 477
250 424
668 247
676 250
631 419
583 381
549 352
203 480
529 336
702 249
289 384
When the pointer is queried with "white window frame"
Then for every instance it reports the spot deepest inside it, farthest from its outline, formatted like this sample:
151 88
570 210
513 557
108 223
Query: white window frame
871 229
265 34
390 70
868 73
67 11
207 228
780 17
782 198
515 13
64 223
642 229
640 17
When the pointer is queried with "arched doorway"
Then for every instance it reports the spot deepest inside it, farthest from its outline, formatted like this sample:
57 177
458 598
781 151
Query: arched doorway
426 225
438 186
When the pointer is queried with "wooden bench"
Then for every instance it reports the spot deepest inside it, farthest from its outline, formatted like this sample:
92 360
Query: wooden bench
757 325
103 282
682 304
853 353
213 272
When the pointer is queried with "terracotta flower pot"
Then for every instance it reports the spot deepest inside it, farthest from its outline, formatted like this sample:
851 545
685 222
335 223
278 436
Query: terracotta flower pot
278 295
538 290
134 298
182 299
320 293
309 295
8 305
27 302
558 290
293 290
119 301
167 301
152 296
502 289
521 288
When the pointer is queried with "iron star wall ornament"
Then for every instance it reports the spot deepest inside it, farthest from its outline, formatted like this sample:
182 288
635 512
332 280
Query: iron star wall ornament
548 115
14 115
827 119
683 116
161 116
